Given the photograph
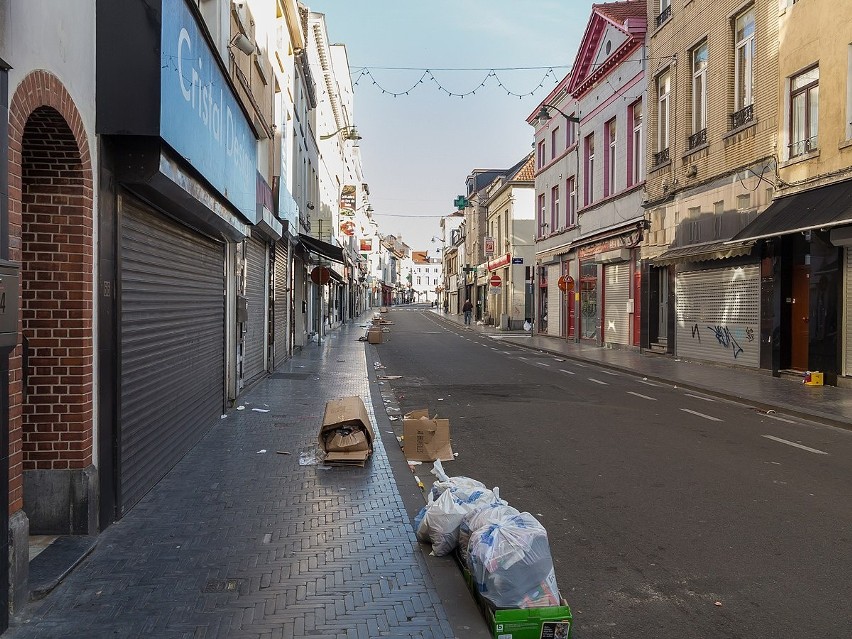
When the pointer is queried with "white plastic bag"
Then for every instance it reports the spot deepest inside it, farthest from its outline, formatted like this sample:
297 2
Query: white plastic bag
443 482
489 514
440 524
511 564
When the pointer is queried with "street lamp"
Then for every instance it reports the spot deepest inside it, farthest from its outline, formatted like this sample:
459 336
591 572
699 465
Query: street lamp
544 116
350 133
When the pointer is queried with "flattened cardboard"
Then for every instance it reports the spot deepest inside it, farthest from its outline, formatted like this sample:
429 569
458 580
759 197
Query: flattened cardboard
358 445
425 438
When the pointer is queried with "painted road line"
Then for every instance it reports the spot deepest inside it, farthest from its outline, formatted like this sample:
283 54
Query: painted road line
579 364
653 399
789 443
543 364
706 399
521 357
597 381
562 370
781 419
695 412
647 383
606 372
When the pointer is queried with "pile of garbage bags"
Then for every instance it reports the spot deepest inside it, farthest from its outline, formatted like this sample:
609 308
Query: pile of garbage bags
506 551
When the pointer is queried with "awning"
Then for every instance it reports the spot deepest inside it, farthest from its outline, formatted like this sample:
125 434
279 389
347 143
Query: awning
825 207
703 252
334 253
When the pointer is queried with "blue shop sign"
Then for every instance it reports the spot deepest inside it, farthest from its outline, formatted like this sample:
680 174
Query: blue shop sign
199 116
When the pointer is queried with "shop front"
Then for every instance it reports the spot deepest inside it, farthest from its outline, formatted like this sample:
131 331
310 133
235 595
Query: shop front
178 194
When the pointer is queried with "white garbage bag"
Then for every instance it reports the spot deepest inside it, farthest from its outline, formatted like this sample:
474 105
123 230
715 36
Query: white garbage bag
489 514
440 524
443 481
511 564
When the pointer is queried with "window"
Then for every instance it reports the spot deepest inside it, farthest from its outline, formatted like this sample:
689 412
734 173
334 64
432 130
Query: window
663 92
590 170
553 137
542 224
635 154
571 203
610 159
554 208
418 280
699 90
570 135
744 60
665 11
804 112
541 154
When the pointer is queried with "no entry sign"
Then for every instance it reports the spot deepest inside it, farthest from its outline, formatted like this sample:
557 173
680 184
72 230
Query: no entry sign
495 281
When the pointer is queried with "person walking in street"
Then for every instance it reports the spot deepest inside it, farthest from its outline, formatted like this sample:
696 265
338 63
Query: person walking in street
468 310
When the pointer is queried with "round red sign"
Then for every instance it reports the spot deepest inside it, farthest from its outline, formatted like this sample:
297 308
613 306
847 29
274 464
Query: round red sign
495 281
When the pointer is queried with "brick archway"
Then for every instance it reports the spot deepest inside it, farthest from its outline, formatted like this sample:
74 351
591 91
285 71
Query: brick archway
51 236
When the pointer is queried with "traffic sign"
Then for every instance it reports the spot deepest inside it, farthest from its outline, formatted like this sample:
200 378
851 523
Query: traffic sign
495 281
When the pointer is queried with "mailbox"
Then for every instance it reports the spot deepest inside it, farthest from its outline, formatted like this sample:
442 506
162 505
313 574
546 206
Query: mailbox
8 304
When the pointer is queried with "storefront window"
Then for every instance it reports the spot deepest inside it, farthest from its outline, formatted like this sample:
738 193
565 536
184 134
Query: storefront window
589 316
542 300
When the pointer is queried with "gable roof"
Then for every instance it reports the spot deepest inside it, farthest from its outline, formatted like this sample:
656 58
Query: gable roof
629 17
526 170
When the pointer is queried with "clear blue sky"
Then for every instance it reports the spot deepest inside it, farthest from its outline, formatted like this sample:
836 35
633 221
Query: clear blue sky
417 149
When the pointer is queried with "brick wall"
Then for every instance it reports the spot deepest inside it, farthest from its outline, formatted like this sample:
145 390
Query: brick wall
57 407
50 234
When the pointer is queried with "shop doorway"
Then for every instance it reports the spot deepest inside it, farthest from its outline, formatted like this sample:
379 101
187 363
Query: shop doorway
800 318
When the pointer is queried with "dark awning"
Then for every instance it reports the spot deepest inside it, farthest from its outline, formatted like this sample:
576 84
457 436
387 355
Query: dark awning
332 252
825 207
703 252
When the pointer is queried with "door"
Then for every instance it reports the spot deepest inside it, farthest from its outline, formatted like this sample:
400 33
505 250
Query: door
254 338
172 345
554 301
617 292
280 304
663 304
589 317
800 318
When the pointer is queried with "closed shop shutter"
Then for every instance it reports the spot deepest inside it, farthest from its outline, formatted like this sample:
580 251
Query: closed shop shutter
718 315
172 341
253 340
616 294
847 315
280 307
554 300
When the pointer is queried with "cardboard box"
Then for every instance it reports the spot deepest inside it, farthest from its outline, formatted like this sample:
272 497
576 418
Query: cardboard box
425 438
374 336
349 448
383 309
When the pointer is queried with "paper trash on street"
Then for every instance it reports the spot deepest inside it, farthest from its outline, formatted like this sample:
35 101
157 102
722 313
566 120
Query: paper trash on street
346 435
425 438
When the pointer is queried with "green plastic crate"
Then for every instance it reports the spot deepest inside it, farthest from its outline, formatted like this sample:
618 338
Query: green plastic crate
552 622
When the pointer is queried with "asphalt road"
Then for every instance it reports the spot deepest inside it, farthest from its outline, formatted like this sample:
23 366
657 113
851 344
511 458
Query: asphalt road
669 513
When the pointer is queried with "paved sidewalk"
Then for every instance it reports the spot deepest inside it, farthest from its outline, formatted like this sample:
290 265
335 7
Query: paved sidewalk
241 541
755 387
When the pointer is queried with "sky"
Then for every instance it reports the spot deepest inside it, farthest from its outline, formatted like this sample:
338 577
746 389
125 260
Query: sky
418 149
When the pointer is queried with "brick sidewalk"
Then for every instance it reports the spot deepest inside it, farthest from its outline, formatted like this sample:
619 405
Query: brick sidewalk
239 543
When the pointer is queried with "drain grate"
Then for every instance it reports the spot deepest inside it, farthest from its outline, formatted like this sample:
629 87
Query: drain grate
222 585
301 376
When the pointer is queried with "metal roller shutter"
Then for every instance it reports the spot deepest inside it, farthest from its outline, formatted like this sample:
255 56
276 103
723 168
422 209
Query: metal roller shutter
280 306
172 340
616 294
718 315
554 300
254 338
847 315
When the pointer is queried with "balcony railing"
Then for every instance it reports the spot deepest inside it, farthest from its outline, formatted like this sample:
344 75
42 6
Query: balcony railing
742 117
661 157
802 147
665 14
697 139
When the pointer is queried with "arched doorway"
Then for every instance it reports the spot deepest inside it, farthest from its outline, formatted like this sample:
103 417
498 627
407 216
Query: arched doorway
56 326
